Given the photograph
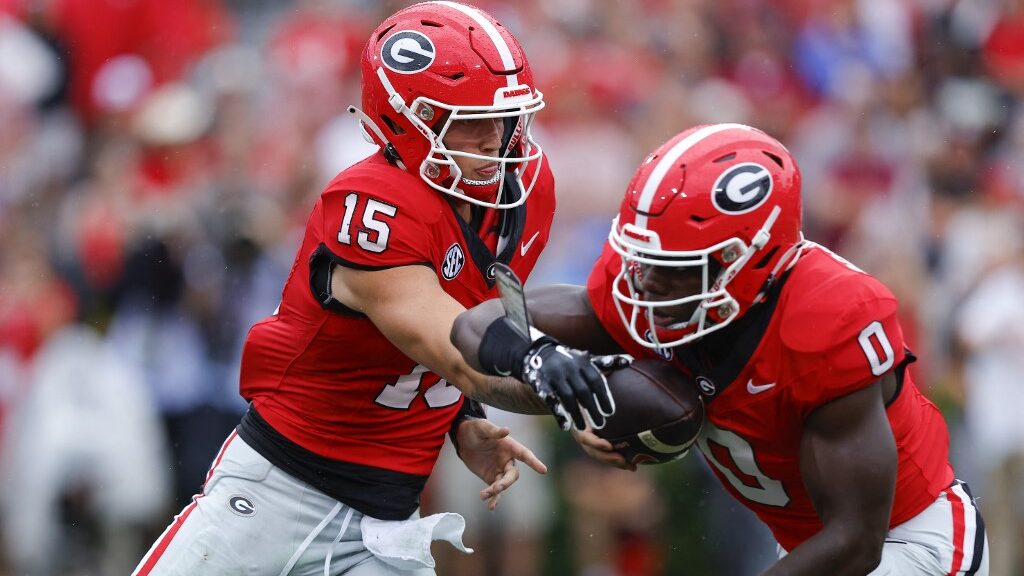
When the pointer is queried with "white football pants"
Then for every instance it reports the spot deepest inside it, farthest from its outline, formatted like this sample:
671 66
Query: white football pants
254 519
946 539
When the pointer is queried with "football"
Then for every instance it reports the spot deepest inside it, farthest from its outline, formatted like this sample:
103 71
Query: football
658 412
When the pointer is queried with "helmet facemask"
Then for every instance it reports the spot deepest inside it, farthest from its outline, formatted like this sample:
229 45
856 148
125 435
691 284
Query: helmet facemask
718 264
436 63
518 148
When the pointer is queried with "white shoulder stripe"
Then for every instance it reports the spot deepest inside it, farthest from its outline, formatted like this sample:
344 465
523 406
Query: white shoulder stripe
492 33
669 160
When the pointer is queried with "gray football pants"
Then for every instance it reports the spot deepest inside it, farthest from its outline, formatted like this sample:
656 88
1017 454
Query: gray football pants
254 519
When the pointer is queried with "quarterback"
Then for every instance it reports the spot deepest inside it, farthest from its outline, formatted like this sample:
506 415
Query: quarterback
812 420
353 382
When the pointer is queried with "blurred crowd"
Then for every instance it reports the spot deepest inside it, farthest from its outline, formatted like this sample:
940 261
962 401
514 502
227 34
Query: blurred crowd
158 161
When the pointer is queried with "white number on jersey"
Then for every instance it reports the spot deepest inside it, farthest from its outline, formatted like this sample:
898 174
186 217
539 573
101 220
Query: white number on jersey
765 491
879 365
403 391
381 232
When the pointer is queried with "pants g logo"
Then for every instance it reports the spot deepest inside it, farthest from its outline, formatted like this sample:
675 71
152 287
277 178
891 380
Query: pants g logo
242 506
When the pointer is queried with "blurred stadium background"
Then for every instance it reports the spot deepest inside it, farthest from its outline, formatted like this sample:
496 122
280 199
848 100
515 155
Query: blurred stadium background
158 161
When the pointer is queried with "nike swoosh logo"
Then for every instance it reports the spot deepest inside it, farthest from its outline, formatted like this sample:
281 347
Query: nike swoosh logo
526 245
754 389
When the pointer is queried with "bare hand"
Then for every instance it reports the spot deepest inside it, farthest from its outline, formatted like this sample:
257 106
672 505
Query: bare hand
490 453
600 449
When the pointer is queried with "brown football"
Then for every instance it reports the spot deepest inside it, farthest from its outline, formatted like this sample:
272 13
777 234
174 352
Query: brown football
658 412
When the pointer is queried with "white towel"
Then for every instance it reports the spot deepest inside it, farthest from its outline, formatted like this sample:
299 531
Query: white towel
405 544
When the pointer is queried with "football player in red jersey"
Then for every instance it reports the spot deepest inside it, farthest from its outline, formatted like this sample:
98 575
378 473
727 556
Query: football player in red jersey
353 382
813 421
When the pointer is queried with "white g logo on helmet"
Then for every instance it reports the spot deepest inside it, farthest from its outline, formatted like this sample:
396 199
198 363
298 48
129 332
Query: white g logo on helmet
408 52
742 188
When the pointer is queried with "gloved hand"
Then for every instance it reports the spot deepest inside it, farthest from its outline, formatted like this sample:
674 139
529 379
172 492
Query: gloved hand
611 362
568 379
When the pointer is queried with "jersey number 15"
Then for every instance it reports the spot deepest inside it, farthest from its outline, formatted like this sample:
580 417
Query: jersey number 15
374 233
403 391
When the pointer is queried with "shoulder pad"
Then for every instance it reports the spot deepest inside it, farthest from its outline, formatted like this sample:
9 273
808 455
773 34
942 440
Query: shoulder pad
839 329
375 177
825 303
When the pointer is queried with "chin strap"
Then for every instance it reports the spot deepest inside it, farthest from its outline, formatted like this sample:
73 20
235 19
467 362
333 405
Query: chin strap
365 122
788 260
758 242
492 180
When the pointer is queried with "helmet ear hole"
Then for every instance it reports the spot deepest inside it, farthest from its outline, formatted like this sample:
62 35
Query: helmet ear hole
392 125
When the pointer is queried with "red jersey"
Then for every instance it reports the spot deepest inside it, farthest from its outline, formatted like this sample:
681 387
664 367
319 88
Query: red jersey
322 375
833 331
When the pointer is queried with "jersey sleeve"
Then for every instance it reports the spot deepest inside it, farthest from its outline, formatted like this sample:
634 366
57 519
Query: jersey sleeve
374 230
841 338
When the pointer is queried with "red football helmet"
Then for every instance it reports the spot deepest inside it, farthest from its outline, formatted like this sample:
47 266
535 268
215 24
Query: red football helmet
719 198
432 64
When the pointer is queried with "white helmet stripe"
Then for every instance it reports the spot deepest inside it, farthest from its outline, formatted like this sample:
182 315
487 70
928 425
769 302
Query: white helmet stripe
492 33
669 159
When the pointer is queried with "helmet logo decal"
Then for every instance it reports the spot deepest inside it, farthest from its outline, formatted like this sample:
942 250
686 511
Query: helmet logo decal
742 188
408 52
454 260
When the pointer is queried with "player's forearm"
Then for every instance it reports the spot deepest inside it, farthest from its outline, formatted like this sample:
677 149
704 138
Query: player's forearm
409 308
563 311
506 394
469 328
851 488
832 553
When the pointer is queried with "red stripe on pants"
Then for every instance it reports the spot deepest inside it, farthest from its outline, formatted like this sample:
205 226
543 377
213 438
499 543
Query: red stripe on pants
179 520
220 456
958 530
167 538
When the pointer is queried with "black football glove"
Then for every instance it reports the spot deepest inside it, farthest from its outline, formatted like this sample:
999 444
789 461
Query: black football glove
567 380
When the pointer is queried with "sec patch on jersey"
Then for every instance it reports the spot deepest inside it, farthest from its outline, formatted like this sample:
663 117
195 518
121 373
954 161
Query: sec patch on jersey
658 412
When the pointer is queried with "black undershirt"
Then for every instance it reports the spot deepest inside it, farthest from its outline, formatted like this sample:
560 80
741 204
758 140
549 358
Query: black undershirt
720 356
376 492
